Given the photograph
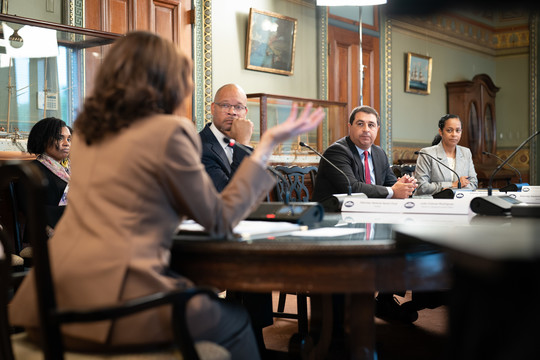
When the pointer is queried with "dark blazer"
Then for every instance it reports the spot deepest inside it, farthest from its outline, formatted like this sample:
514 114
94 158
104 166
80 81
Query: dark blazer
344 155
54 191
215 161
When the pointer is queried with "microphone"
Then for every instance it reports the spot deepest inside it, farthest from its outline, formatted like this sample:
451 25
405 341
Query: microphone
231 142
443 164
301 213
490 187
349 187
509 187
501 160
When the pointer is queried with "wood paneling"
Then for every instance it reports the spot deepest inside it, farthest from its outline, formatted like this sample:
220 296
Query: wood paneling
344 74
165 19
169 18
120 18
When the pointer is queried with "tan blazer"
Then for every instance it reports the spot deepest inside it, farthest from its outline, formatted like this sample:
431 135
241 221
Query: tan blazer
127 195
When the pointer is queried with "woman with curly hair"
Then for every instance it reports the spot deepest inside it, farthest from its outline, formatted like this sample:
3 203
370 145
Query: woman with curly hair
50 140
136 174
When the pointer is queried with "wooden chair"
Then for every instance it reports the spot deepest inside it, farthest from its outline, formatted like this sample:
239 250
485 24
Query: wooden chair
297 191
18 346
297 186
402 169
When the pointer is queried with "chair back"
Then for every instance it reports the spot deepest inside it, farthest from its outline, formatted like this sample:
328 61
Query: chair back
34 184
10 216
402 169
6 352
296 182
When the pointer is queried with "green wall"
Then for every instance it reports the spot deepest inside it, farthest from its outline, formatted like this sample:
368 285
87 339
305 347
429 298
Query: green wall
229 26
512 102
47 10
415 117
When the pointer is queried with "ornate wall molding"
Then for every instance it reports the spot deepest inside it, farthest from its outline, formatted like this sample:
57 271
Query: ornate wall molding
533 101
322 34
386 96
202 40
73 13
469 34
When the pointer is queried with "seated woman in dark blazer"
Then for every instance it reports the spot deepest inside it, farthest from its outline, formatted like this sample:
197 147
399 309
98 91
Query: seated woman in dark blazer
50 140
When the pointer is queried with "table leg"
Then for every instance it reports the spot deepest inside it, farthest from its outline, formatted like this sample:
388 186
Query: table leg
362 326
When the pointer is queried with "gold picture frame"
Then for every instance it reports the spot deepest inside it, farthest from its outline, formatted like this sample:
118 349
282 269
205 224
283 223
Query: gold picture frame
418 80
270 43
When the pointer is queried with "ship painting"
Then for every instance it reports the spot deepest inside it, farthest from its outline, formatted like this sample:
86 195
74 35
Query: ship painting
418 73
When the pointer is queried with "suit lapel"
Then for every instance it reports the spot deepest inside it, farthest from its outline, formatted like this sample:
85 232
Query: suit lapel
377 167
216 148
460 162
359 169
441 156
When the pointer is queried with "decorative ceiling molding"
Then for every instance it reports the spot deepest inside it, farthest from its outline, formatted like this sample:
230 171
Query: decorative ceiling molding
467 33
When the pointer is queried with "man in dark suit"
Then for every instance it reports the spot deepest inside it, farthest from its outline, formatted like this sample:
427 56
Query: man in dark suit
349 154
229 112
228 121
367 168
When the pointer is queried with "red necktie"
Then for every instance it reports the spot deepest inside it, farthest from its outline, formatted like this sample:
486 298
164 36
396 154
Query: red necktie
368 231
367 175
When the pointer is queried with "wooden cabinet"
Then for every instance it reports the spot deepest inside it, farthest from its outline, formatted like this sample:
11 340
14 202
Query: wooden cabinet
474 102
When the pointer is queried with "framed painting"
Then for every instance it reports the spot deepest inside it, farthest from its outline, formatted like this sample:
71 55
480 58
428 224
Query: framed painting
270 42
418 79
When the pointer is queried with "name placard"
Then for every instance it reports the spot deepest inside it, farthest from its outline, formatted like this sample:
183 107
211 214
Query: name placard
411 205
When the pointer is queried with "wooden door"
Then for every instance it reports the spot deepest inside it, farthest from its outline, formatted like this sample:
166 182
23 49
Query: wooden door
170 19
344 74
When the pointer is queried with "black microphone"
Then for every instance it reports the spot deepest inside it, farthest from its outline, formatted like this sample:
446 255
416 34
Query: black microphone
301 213
443 164
232 143
349 187
490 188
501 160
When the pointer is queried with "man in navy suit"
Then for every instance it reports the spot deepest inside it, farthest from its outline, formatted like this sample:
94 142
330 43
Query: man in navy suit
366 166
349 154
229 112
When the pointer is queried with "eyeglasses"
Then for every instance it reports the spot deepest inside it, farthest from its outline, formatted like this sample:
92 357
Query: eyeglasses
227 107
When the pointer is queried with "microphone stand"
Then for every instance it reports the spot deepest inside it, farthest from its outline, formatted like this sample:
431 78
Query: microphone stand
349 187
301 213
509 187
490 187
284 181
443 164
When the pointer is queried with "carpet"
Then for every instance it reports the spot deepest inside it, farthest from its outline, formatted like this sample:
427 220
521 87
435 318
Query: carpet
425 339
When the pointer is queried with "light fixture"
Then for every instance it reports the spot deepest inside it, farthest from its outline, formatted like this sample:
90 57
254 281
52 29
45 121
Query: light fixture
350 2
358 3
15 40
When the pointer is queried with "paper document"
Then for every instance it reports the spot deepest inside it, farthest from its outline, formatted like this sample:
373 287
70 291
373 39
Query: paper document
328 232
250 230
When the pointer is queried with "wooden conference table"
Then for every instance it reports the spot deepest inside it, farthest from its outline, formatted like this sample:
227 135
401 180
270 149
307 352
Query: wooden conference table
494 310
341 264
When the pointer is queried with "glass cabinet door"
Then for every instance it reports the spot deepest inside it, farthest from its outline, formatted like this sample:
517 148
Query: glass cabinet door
46 70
